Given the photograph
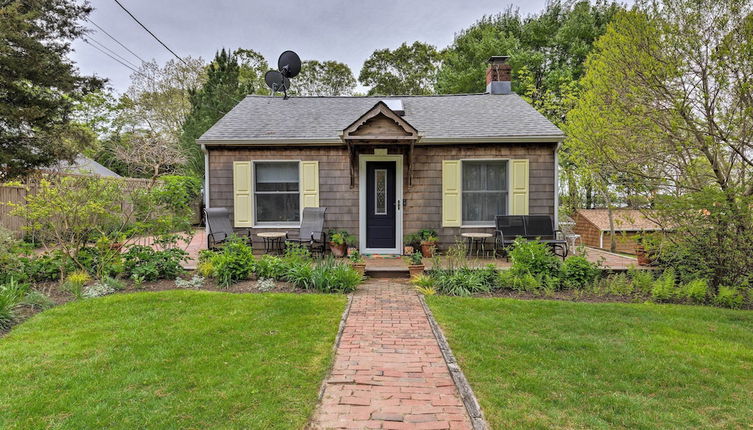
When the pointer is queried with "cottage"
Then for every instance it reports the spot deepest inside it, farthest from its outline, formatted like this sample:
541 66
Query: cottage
384 166
629 224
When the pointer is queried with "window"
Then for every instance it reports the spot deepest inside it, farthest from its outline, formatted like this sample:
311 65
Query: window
276 193
380 192
484 191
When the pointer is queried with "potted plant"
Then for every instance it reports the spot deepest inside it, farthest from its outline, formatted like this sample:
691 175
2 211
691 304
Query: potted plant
356 260
415 265
410 243
429 240
339 241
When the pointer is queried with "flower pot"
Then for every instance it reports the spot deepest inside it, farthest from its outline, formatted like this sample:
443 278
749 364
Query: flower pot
415 270
351 250
360 268
642 255
408 250
427 249
338 250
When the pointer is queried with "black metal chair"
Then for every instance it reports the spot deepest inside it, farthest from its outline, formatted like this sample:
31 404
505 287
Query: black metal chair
530 227
218 221
311 234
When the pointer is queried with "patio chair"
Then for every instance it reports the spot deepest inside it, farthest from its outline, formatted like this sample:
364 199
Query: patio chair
541 228
508 228
311 234
218 222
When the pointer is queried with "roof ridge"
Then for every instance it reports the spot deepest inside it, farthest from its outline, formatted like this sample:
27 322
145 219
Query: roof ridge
379 97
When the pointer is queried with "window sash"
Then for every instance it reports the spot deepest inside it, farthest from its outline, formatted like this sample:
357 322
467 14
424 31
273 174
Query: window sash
480 202
287 210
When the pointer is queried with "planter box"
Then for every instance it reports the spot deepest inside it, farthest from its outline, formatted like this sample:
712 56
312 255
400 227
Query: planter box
360 268
416 270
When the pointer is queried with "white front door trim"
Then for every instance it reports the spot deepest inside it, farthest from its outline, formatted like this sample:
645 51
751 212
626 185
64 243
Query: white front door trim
398 159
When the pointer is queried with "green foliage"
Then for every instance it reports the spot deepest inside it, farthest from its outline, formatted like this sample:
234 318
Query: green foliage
11 295
332 276
270 266
524 282
464 281
533 257
643 280
729 297
406 70
664 288
619 285
37 300
341 237
696 290
416 259
74 283
300 275
40 85
423 280
578 273
356 257
324 78
234 262
143 263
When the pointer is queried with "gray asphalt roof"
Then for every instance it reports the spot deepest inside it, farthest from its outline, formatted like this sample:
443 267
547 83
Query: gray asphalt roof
435 117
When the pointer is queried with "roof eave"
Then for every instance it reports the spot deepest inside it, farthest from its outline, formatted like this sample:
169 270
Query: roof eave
423 141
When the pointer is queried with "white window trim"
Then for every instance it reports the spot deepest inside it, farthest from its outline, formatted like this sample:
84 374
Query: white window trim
362 159
276 225
509 194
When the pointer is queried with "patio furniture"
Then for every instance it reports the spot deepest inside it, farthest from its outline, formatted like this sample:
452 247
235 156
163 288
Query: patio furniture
530 227
311 234
218 222
477 241
273 241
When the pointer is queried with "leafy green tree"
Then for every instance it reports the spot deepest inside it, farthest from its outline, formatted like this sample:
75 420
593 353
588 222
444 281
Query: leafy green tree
253 67
39 84
324 78
217 96
406 70
666 105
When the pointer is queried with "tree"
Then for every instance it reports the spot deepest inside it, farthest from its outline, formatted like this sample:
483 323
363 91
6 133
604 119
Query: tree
324 78
39 84
406 70
253 67
151 154
221 91
666 104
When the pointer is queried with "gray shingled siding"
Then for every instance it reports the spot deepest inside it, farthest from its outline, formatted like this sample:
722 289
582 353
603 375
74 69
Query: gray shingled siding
424 197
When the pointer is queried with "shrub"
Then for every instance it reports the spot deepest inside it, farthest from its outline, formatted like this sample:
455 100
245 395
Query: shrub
270 266
728 297
233 263
423 280
696 290
577 273
643 280
143 263
463 281
330 276
194 283
300 275
533 257
11 295
663 288
619 285
75 282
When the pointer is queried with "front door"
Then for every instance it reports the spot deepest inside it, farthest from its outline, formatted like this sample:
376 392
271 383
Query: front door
381 225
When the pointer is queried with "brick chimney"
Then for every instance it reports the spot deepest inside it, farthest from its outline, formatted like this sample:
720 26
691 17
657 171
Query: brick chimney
499 75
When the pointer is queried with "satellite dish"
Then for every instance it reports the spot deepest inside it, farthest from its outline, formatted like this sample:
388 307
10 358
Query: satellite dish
276 81
289 64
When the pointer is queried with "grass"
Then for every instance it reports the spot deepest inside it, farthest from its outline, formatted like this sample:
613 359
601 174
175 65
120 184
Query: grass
547 364
169 360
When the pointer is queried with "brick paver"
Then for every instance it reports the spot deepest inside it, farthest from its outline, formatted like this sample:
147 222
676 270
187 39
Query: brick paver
389 372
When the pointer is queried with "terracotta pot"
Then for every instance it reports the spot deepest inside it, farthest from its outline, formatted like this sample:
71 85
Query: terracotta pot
415 270
338 251
642 255
408 250
360 268
427 249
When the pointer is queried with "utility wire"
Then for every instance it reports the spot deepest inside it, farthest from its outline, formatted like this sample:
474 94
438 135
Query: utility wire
148 31
106 48
106 53
116 40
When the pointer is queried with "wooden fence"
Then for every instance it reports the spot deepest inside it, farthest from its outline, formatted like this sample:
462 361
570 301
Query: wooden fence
17 195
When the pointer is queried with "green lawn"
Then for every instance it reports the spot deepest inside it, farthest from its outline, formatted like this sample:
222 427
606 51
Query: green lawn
547 364
169 360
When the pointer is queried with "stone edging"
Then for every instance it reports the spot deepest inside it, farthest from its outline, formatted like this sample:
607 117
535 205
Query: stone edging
340 330
464 388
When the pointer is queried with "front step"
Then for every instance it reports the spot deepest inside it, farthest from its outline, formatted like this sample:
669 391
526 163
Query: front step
387 272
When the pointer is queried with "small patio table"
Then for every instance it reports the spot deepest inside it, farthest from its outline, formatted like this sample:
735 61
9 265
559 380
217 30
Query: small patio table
477 241
273 241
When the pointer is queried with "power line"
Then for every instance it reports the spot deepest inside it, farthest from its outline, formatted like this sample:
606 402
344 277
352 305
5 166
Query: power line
148 31
106 48
106 53
116 40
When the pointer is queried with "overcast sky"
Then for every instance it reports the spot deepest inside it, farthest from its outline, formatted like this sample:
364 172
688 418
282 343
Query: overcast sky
346 31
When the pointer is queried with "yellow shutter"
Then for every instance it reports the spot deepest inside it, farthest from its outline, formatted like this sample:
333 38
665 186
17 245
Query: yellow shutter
519 187
243 202
310 183
451 193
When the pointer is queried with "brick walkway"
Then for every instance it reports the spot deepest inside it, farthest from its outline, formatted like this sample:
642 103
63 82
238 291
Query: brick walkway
389 372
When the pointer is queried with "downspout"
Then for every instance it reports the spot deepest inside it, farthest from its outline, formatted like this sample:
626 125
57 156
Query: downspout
557 185
206 181
601 239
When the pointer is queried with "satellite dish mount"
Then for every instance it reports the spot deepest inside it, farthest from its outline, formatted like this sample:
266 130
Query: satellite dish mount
289 66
